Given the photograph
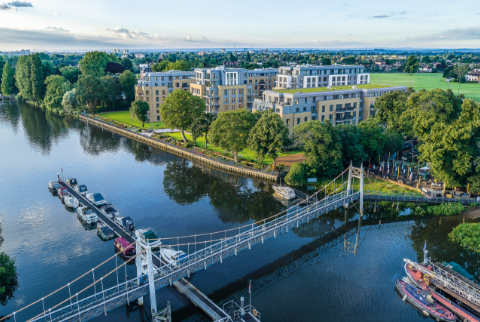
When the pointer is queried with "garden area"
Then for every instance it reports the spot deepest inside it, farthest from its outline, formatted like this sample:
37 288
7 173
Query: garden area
426 81
124 117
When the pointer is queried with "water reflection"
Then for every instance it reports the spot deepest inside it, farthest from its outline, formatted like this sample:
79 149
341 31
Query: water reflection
94 141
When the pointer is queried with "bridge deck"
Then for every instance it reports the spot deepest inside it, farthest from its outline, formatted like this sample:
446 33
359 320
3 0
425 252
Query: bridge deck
200 299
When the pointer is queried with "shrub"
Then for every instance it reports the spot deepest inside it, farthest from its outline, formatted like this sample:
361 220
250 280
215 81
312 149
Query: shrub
467 235
189 145
20 97
297 176
446 209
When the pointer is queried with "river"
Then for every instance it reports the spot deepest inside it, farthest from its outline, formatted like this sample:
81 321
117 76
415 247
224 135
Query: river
291 279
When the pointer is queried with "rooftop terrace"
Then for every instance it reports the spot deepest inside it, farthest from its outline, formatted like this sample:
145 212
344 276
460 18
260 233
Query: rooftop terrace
334 88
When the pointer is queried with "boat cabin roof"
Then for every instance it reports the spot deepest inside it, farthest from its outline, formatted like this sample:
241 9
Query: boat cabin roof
123 242
150 236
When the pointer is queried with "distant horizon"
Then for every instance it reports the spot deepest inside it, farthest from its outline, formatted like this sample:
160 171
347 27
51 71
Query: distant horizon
54 25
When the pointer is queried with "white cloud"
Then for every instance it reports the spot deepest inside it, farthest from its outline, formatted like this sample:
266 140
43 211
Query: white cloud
23 4
56 29
54 13
452 34
127 34
4 6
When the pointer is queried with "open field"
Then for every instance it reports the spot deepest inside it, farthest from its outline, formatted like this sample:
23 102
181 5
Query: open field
246 154
124 117
425 81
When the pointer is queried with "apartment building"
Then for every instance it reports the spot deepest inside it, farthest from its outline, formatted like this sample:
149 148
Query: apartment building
309 76
153 87
222 89
340 105
262 79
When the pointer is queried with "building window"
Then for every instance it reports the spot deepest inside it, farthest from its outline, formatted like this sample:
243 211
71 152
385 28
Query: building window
306 118
225 100
304 109
240 99
233 92
158 118
163 92
148 99
331 108
323 118
231 78
296 100
323 109
225 92
156 92
233 99
158 105
288 122
297 110
225 107
240 106
298 121
240 91
331 117
157 99
146 93
178 84
158 110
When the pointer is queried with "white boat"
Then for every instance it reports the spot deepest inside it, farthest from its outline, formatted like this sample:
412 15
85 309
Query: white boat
87 215
81 189
172 256
285 192
96 199
148 236
71 201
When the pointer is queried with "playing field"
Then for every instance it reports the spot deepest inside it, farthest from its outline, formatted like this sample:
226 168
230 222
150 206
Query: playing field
425 81
124 117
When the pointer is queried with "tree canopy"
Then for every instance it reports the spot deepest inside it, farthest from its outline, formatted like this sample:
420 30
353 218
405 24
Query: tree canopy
201 126
389 108
267 136
128 81
351 137
8 278
8 80
70 73
57 86
412 65
87 91
180 109
139 110
323 149
94 63
231 129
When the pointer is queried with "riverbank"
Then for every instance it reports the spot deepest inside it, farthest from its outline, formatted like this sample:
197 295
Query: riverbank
184 152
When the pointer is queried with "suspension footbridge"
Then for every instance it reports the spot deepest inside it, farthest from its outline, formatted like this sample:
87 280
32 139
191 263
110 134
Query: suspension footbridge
201 252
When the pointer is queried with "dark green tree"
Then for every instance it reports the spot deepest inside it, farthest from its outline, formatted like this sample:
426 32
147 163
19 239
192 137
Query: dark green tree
352 149
70 73
37 78
389 109
412 65
323 148
231 129
180 109
93 64
127 63
128 81
8 80
57 86
297 176
201 126
8 278
326 61
87 91
269 135
139 110
109 92
373 138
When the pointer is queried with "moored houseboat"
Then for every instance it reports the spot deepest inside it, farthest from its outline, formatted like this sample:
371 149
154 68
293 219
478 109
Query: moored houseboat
123 248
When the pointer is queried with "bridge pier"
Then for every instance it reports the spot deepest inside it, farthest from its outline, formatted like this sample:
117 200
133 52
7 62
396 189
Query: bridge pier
138 263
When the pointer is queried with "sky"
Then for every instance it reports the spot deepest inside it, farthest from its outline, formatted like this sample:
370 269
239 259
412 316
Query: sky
54 25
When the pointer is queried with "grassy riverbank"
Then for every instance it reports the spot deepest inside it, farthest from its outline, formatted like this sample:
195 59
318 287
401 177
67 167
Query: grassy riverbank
124 117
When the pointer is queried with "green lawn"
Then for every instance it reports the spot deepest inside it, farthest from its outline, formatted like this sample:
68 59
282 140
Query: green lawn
124 117
425 81
325 89
246 154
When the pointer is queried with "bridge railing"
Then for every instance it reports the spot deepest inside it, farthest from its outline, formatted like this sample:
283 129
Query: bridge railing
395 196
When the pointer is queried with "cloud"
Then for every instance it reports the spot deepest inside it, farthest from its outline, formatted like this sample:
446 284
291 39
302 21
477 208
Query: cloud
21 4
127 34
451 34
390 15
4 6
380 16
54 13
56 29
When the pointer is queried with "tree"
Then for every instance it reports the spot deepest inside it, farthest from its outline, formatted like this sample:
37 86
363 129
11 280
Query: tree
8 278
109 92
461 71
23 76
393 141
69 101
93 64
57 86
2 65
249 59
201 126
297 176
352 149
37 78
373 138
127 63
48 69
232 58
389 108
179 110
350 60
161 66
70 73
323 149
267 136
326 61
231 129
88 91
412 65
8 80
128 81
139 110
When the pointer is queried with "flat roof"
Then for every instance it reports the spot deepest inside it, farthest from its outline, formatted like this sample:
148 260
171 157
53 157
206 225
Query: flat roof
334 88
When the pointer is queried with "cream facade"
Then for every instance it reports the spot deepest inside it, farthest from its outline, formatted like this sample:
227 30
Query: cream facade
153 87
346 106
261 80
222 89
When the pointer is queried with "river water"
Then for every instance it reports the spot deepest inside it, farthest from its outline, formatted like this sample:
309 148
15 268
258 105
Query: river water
292 279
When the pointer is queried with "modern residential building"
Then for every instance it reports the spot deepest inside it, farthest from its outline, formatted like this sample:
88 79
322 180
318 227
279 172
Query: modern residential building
222 89
262 79
341 105
153 87
309 76
139 55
